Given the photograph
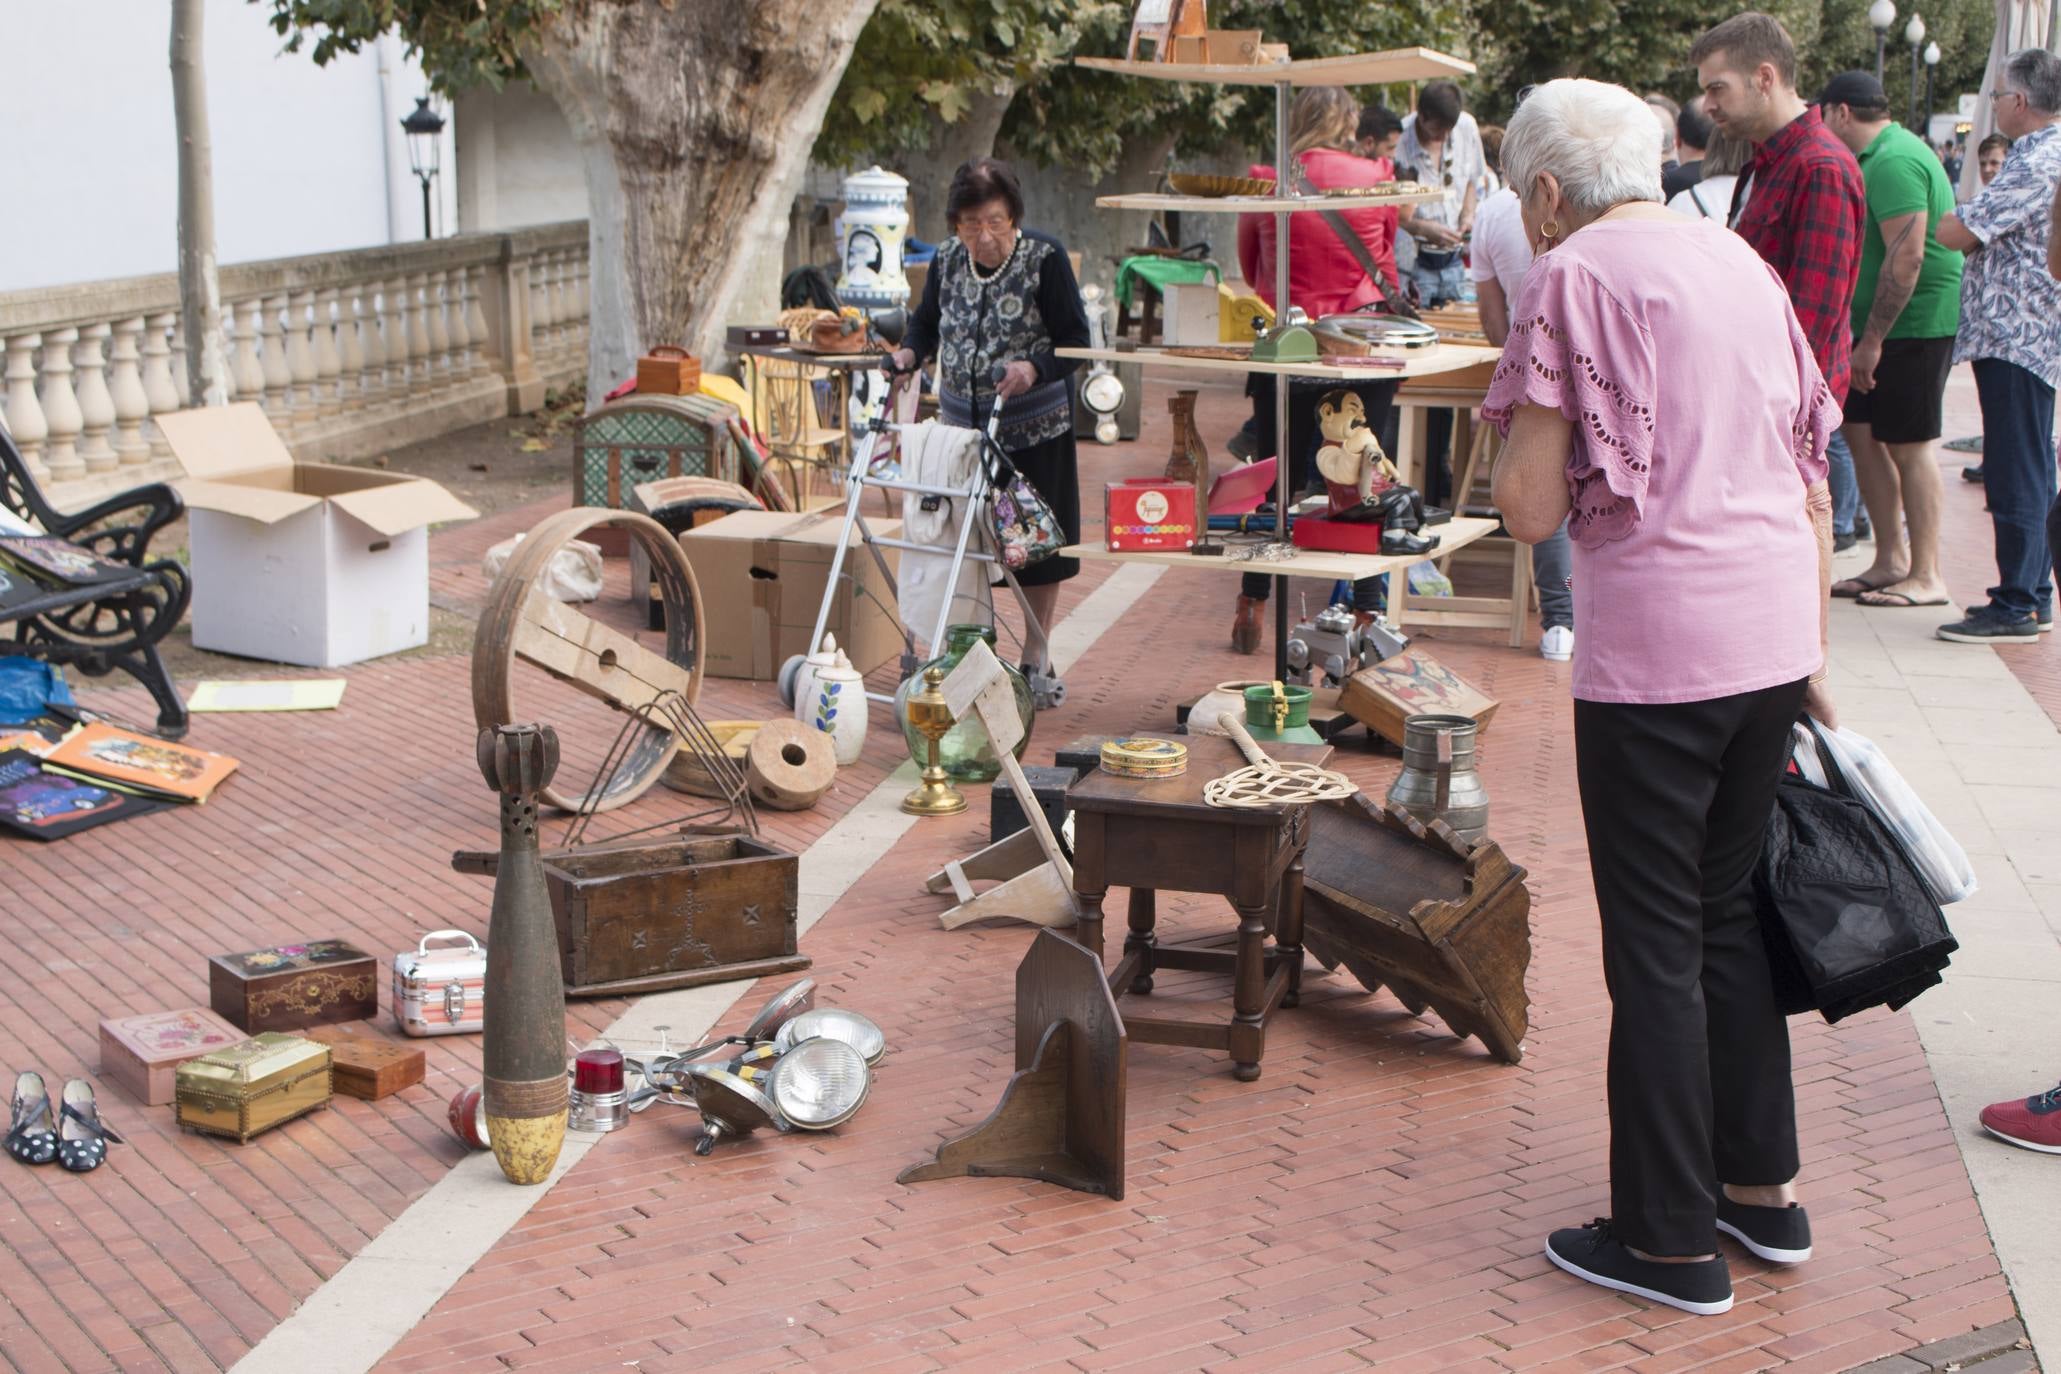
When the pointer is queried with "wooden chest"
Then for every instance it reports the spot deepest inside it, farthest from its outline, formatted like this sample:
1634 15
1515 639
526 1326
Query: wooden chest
141 1052
291 986
1445 924
1413 683
251 1087
673 912
369 1068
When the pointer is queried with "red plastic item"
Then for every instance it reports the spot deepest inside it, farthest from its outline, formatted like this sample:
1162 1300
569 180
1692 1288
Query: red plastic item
1148 513
598 1071
1335 536
1241 490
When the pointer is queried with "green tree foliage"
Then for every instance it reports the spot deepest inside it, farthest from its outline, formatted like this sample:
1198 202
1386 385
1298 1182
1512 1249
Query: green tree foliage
920 63
460 43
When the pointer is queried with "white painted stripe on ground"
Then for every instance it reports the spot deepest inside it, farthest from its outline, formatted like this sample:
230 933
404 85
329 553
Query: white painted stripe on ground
348 1324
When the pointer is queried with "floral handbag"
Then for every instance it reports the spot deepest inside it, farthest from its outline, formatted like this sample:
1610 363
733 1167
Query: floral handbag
1026 530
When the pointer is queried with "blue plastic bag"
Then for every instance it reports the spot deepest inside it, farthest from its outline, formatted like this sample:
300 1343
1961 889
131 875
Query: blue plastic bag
28 688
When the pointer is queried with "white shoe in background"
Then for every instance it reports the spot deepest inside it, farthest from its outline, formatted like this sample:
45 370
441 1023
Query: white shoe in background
1557 644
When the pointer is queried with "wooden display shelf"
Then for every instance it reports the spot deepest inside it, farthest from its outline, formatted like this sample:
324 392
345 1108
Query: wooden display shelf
1357 69
1454 535
1248 205
1431 362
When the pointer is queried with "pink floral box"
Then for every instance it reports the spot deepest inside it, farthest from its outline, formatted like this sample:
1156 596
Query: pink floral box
142 1053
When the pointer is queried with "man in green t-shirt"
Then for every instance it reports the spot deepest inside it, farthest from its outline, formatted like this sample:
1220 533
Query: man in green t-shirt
1906 307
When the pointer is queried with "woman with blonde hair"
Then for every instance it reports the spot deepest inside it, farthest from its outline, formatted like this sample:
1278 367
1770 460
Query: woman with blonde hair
1659 396
1711 196
1328 273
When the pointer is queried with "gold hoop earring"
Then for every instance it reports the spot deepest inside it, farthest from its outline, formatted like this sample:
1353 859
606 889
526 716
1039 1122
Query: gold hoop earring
1550 229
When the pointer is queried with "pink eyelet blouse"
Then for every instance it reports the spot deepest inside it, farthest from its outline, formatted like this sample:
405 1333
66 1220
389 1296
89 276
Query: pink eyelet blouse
1700 418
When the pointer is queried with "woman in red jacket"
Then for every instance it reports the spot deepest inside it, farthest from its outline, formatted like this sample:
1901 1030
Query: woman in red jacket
1324 278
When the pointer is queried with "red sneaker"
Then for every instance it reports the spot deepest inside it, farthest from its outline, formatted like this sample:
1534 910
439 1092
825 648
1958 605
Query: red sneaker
2031 1124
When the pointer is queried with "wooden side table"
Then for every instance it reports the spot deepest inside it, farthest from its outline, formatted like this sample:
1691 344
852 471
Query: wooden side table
1159 835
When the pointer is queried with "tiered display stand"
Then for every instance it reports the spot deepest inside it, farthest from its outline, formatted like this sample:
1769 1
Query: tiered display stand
1361 69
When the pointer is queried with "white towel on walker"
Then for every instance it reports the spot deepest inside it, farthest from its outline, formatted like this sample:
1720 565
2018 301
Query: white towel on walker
940 455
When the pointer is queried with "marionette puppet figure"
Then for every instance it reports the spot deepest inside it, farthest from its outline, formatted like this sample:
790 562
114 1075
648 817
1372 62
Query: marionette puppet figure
1363 485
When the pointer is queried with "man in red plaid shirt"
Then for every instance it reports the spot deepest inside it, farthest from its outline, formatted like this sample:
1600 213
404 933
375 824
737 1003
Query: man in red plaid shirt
1799 199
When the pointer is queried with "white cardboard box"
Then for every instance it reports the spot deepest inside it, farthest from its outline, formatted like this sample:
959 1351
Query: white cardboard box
304 563
1189 314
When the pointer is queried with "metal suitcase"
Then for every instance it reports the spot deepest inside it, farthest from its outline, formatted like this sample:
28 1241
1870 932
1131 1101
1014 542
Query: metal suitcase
441 991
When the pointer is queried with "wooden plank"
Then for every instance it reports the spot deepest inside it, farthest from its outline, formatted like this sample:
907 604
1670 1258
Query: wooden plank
1428 362
597 660
1388 67
1248 205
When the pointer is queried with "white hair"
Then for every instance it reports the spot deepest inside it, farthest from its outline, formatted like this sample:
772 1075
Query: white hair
1598 140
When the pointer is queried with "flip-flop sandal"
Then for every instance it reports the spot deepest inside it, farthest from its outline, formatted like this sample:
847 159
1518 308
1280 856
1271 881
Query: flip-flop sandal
1875 596
82 1146
1860 585
31 1136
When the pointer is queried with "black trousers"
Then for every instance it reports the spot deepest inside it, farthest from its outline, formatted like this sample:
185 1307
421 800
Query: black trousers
1676 799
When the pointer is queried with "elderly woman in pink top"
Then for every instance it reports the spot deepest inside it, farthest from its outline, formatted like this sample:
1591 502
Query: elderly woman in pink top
1658 394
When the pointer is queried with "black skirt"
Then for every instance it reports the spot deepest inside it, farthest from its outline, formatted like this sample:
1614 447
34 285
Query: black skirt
1051 467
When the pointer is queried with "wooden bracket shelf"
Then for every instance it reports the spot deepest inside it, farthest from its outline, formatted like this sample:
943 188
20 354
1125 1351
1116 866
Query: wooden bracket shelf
1356 69
1247 205
1429 362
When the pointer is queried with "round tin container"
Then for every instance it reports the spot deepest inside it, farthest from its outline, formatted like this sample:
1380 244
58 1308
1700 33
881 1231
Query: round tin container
1142 757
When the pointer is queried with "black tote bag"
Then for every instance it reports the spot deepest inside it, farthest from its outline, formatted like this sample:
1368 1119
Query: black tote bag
1847 921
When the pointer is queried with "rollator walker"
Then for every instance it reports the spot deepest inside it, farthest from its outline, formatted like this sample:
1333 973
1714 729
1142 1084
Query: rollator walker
977 497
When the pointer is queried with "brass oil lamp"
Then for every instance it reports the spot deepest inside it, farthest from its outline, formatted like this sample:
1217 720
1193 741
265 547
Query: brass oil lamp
932 718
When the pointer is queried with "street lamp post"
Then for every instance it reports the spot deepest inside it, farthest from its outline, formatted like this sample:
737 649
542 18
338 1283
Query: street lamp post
1914 34
1931 65
425 150
1881 15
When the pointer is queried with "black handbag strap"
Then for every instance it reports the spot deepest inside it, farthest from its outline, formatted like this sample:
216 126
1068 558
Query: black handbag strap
1354 244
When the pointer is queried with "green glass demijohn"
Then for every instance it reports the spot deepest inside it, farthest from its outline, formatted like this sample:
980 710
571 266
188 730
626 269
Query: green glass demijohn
965 752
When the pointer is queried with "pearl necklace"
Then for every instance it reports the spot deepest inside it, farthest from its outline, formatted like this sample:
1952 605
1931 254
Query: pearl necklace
985 277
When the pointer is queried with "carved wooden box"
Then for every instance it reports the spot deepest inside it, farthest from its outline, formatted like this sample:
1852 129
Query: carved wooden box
673 912
287 987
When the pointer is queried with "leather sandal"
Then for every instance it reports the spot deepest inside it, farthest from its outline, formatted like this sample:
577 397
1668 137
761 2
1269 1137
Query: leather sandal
82 1135
31 1136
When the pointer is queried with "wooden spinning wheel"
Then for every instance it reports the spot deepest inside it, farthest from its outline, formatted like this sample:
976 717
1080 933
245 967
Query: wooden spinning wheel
522 624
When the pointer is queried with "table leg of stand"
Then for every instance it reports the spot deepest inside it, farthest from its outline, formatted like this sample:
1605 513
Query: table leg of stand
1249 993
1087 932
1142 940
1288 934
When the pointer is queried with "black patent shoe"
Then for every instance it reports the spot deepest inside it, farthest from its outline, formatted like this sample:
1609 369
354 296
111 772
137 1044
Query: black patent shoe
31 1136
82 1135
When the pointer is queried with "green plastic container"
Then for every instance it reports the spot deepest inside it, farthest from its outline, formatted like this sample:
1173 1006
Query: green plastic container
1262 710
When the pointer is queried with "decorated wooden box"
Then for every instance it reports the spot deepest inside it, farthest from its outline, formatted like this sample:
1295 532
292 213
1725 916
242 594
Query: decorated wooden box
291 986
141 1052
673 912
1413 683
366 1067
249 1088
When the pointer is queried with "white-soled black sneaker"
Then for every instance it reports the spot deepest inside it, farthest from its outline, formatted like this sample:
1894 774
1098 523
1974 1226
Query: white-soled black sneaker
1779 1235
1590 1252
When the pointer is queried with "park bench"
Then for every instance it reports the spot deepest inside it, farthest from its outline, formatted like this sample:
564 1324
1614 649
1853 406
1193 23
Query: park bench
110 624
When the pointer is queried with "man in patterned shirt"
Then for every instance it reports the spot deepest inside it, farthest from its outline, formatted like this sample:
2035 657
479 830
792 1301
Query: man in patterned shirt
1798 201
2011 331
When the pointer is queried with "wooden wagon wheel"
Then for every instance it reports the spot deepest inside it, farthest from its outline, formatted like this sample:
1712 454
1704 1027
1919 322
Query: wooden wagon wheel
521 623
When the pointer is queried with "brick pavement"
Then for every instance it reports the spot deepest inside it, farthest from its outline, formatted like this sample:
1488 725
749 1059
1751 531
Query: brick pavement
1378 1196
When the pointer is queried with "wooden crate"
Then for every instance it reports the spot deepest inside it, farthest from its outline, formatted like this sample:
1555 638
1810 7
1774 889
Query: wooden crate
1444 925
673 912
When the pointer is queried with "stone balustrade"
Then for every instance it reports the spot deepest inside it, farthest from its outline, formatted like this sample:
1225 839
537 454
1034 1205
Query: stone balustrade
350 354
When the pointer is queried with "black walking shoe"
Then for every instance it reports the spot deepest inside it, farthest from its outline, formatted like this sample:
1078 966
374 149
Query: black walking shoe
1779 1235
1991 626
1591 1252
2045 615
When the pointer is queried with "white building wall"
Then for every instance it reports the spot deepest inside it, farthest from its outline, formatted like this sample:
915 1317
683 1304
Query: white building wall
517 161
301 154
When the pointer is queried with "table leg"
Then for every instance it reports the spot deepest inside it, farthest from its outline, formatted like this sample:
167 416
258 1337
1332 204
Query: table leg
1142 940
1087 932
1288 932
1249 993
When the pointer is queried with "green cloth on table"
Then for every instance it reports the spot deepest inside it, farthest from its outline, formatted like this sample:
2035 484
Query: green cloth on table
1160 273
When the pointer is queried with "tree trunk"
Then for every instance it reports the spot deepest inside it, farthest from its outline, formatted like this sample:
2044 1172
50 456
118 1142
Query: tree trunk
694 124
200 290
951 146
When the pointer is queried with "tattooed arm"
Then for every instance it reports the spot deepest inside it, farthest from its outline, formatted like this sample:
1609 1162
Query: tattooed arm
1903 256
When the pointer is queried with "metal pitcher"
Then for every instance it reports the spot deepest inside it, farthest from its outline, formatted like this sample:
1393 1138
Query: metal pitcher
1439 780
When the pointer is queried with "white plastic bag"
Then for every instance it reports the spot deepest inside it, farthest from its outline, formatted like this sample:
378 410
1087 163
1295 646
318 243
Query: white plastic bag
574 573
1938 857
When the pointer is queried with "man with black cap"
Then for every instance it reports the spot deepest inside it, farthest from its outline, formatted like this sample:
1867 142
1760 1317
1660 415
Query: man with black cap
1906 307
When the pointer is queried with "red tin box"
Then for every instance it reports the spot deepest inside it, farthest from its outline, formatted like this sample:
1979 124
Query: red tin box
1149 514
1336 536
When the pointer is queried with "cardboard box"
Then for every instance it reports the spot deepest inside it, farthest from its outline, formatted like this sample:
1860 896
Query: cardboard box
1149 513
761 576
1189 313
303 563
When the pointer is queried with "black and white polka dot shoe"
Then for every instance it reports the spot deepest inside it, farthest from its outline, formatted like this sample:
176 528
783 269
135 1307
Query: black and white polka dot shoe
31 1137
82 1135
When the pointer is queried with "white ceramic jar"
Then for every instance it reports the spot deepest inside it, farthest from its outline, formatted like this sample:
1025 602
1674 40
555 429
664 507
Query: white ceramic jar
837 706
870 235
